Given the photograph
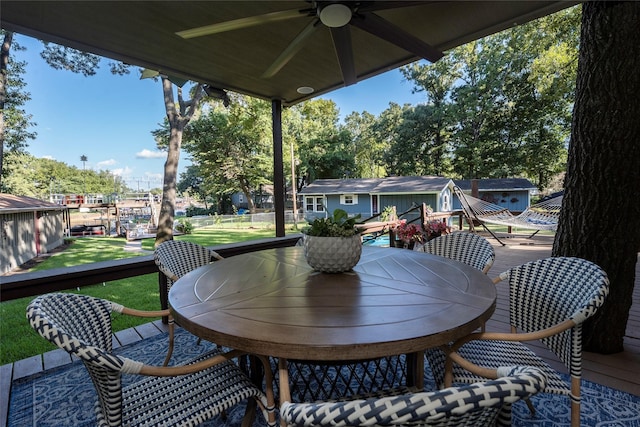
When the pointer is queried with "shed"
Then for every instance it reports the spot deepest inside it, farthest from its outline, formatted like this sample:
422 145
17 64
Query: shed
29 227
511 193
369 196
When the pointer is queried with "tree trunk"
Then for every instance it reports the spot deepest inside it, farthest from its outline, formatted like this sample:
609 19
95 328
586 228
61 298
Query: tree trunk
167 208
4 77
601 205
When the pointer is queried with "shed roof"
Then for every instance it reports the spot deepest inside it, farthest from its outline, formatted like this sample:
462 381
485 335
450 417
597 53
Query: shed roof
389 185
497 184
10 203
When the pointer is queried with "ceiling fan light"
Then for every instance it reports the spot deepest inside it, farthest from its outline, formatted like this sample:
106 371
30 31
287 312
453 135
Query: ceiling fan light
305 90
335 15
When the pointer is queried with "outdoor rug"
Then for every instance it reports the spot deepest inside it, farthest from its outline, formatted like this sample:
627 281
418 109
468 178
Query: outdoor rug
65 396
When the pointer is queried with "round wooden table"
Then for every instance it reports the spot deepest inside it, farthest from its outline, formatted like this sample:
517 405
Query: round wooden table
270 302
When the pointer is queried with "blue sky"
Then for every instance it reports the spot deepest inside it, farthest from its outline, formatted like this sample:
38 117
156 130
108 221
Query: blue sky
110 118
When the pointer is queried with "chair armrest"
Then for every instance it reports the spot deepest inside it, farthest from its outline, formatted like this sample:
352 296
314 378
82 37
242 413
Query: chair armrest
143 313
509 336
171 371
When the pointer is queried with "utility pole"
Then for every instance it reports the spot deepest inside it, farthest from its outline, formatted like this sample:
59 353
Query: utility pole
294 184
84 159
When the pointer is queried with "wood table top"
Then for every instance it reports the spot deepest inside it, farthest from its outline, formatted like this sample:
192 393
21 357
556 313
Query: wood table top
271 302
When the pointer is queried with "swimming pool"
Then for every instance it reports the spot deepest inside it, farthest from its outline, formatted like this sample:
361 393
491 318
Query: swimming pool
382 241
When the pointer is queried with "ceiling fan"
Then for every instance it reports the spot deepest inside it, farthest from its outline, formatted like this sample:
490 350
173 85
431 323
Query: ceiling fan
338 17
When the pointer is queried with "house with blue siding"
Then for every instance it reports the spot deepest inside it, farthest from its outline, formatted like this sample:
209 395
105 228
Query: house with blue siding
511 193
369 196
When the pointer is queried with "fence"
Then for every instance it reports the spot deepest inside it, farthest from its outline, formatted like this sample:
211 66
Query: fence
259 220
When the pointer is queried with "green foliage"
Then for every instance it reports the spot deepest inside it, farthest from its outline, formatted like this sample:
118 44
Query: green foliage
39 177
337 225
195 211
388 214
496 107
328 157
368 149
231 148
184 226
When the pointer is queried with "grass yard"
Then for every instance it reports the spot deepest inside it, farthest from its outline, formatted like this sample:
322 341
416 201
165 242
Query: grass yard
19 341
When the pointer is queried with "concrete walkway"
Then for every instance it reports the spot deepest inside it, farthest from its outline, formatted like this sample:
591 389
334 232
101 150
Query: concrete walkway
135 246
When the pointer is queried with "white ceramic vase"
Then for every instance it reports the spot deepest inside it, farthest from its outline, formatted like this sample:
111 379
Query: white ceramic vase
332 254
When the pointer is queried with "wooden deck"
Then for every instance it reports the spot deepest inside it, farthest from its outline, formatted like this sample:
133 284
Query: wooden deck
619 371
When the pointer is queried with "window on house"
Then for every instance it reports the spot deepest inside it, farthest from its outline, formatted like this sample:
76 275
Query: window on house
348 199
314 204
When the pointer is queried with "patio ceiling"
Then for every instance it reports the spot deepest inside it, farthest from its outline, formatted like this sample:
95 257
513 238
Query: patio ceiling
247 57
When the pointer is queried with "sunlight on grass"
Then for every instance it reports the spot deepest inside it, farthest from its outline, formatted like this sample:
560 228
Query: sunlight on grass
19 341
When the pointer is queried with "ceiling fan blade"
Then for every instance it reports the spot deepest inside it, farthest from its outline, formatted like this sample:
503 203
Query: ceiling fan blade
342 42
295 45
382 28
372 6
237 24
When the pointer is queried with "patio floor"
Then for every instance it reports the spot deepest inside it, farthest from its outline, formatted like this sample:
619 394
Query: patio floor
619 371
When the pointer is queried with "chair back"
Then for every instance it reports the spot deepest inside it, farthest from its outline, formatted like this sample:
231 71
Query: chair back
469 248
175 258
480 404
81 325
548 291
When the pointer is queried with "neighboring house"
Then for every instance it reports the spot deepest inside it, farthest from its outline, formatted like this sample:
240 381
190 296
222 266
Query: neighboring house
511 193
369 196
29 227
262 198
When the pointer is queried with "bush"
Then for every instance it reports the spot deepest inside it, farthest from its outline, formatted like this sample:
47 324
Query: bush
184 226
195 211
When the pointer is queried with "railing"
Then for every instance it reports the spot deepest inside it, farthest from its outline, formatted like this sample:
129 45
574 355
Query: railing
58 279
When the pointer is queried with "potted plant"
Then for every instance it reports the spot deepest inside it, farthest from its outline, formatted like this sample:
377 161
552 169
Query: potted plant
332 244
435 229
409 234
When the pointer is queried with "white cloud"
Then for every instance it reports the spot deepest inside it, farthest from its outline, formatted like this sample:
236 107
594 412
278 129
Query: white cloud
104 163
148 154
123 172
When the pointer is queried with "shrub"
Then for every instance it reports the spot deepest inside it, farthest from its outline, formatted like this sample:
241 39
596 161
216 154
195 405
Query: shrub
184 226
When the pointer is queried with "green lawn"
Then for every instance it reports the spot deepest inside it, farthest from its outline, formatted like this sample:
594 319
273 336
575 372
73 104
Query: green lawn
19 341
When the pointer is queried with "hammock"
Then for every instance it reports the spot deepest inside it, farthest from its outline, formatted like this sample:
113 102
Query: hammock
541 216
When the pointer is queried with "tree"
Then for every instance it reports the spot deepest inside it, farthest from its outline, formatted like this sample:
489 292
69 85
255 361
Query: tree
601 206
178 116
232 148
385 130
325 150
437 82
329 156
14 122
500 106
192 182
367 149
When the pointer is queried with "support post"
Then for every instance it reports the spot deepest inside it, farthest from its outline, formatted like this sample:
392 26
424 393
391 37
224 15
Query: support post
278 165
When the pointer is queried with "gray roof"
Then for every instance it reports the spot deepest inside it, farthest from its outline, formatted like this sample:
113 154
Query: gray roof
10 203
497 184
389 185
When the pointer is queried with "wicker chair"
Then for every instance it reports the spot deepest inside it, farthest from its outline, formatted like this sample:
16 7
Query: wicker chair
179 395
548 301
174 259
469 248
481 404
